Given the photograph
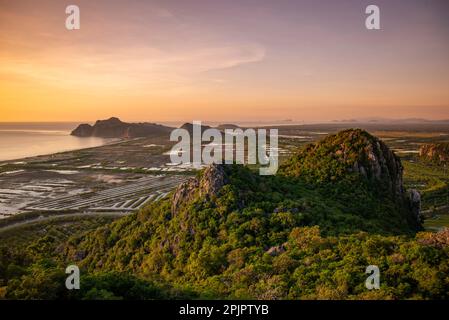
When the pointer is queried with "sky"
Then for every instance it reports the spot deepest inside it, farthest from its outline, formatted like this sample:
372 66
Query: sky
210 60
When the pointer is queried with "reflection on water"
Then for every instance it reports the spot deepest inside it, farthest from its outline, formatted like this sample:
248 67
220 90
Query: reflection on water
20 143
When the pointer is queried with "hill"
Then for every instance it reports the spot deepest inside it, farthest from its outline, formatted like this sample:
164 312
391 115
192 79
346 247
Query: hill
225 126
307 233
229 213
354 157
115 128
189 127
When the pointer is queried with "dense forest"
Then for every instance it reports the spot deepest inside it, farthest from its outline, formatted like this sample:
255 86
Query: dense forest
309 232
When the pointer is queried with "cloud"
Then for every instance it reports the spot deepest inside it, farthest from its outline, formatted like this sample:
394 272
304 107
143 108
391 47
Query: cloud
164 52
127 68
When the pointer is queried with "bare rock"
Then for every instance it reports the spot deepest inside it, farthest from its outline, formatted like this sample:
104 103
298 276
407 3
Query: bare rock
276 250
435 152
415 203
206 186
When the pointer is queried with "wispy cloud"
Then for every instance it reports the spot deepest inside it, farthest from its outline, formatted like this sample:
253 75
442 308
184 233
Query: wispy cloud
128 68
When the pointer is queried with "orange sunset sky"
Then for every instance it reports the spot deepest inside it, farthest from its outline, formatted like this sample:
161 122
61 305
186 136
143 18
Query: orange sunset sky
223 60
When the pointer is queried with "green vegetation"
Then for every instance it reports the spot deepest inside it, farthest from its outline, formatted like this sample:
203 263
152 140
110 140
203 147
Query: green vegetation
306 266
307 233
431 180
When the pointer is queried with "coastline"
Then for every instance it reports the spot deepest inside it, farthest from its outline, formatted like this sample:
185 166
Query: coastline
110 141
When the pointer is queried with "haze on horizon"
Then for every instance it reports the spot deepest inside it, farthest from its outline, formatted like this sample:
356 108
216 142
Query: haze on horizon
211 60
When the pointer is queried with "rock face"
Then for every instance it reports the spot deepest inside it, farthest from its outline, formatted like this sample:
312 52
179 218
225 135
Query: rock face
276 250
415 204
381 164
206 186
115 128
435 152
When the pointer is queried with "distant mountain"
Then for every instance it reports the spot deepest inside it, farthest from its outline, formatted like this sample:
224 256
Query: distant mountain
227 126
390 120
115 128
189 127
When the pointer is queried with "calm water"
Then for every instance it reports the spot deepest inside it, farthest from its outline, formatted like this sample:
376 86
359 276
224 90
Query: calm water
25 139
20 140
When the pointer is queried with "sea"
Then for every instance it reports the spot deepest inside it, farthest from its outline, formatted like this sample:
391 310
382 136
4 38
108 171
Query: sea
28 139
20 140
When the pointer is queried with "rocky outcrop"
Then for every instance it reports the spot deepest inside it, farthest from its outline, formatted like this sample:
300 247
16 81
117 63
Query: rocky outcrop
205 186
379 163
83 130
435 152
189 127
415 204
277 250
115 128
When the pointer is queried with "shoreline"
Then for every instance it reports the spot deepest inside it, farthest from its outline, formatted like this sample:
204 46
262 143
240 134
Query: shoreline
23 159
